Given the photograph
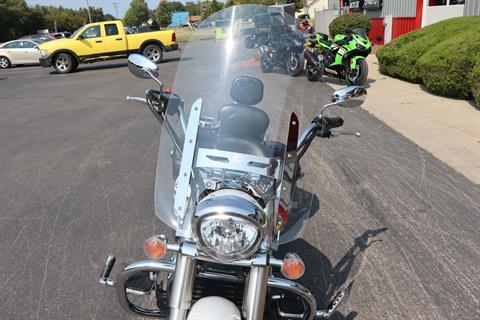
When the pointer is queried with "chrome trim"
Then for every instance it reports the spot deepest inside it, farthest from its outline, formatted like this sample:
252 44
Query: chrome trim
182 287
255 293
219 159
140 266
188 153
297 289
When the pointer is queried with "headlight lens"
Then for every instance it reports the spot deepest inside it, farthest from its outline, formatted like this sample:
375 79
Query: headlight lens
44 52
228 237
229 225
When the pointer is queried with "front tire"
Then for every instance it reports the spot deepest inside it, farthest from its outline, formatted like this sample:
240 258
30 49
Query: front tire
294 63
265 64
64 63
314 73
4 63
358 77
153 52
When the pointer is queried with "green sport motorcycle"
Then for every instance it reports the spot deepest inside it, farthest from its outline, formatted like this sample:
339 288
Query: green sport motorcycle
342 57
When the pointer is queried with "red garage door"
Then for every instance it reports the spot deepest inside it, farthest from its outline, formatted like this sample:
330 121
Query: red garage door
402 25
378 31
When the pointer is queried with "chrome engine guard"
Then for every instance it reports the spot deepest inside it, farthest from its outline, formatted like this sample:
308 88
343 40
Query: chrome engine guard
169 267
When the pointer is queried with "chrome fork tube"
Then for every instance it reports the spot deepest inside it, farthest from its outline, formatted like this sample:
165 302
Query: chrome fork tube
181 294
256 293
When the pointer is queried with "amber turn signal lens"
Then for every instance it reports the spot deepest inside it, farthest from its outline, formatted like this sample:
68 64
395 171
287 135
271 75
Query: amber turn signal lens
155 247
293 267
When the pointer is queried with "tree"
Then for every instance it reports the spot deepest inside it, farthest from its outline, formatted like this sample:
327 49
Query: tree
163 14
137 13
193 8
109 17
211 7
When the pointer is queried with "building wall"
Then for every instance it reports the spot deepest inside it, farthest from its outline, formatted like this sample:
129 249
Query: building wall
399 8
472 8
323 19
433 14
315 5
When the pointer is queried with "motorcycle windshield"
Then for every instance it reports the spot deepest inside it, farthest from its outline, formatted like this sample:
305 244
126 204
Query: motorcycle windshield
236 119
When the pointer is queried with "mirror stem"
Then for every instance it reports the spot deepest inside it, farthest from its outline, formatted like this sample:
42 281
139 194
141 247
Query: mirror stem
155 78
328 106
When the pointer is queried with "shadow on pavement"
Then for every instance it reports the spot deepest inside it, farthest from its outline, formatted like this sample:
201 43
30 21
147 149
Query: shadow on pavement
325 280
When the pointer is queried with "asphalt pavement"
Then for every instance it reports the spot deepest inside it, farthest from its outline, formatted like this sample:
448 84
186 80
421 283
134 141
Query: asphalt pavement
392 223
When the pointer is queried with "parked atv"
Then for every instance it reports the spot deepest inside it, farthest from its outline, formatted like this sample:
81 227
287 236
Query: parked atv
284 50
342 57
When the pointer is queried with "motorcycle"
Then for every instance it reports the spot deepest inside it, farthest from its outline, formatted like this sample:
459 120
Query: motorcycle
284 50
343 57
226 184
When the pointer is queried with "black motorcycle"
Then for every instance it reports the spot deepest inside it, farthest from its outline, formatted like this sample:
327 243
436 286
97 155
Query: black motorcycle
286 51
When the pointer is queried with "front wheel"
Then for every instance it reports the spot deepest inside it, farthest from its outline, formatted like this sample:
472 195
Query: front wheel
4 63
64 63
265 64
359 75
314 73
294 63
153 52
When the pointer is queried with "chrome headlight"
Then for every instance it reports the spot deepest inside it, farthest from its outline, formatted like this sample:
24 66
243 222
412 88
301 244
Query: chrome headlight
229 225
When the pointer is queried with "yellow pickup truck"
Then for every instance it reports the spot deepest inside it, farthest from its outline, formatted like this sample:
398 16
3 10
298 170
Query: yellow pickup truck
104 41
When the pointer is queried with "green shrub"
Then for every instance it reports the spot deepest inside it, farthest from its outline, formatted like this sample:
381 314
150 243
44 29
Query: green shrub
475 81
441 56
349 21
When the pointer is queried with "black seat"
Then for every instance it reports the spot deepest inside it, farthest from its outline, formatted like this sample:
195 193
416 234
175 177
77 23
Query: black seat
243 125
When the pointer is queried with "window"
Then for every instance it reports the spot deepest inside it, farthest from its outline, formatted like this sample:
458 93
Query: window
111 30
13 45
433 3
28 44
92 32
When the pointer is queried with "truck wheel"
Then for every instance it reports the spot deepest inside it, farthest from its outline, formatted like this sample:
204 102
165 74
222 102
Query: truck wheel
153 52
64 63
4 63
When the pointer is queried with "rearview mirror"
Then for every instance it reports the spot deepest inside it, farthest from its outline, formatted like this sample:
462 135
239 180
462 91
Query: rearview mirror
349 97
80 37
142 67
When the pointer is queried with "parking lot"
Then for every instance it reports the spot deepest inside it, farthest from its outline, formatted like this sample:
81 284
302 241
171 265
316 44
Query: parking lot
77 179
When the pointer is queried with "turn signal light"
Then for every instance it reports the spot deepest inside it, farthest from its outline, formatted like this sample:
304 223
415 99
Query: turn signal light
155 247
293 267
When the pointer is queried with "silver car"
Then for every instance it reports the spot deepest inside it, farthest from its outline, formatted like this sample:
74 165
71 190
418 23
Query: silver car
19 52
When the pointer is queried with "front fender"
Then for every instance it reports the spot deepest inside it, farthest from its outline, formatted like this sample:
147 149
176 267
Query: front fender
354 61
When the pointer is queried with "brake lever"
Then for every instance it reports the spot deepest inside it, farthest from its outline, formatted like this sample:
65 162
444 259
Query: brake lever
336 132
137 99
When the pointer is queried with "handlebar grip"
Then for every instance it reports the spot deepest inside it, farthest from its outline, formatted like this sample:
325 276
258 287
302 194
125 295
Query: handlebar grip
331 123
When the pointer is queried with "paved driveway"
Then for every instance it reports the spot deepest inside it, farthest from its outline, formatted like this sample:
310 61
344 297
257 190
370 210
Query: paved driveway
77 167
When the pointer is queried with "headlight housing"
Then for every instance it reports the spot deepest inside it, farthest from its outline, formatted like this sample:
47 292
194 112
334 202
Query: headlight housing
229 225
44 52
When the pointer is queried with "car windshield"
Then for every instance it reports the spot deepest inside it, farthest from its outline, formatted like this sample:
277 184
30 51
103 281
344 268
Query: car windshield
237 122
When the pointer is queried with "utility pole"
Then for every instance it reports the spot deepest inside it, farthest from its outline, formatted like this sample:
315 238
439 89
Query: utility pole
88 10
115 4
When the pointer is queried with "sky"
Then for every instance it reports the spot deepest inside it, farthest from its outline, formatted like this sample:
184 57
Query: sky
106 5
